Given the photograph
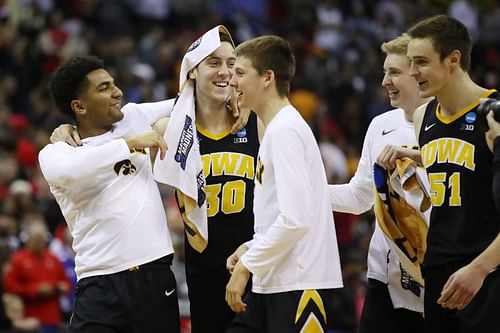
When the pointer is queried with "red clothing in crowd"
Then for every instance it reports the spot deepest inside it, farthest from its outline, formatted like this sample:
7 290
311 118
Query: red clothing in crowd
24 277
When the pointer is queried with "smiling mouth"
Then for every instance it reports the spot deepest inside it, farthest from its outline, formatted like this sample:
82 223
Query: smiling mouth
393 93
223 84
117 105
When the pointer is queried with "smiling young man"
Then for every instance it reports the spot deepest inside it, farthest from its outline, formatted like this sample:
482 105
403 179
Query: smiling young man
112 205
393 302
293 255
228 161
458 162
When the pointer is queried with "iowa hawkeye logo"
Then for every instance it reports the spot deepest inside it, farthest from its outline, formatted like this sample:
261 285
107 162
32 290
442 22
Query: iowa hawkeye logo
124 167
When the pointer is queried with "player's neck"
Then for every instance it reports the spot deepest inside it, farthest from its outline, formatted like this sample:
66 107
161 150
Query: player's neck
86 131
458 94
270 108
411 106
214 117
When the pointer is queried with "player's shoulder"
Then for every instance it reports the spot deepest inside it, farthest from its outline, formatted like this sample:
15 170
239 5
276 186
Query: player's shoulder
418 116
393 117
390 115
57 147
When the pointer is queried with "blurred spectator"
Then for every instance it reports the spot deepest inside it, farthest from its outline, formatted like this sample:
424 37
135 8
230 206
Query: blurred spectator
38 277
8 236
19 199
60 246
468 13
12 319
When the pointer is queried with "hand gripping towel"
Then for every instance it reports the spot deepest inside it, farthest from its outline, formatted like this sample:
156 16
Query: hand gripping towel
182 167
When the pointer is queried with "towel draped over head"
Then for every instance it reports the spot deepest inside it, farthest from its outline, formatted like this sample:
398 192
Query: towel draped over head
182 167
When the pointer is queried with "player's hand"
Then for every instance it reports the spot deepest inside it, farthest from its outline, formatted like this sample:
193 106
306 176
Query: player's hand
241 115
236 288
66 133
233 259
149 139
461 287
494 129
391 153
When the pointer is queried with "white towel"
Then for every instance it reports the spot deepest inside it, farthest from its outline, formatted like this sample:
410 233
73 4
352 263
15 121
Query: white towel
182 167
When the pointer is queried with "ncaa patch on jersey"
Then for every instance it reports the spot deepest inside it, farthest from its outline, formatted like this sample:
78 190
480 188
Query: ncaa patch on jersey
470 117
241 133
241 136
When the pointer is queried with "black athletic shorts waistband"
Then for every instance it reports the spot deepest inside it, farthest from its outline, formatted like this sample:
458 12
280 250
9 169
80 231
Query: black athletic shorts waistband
163 261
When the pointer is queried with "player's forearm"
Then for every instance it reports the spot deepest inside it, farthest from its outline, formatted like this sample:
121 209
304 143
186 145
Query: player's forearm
348 198
269 249
489 259
62 167
416 156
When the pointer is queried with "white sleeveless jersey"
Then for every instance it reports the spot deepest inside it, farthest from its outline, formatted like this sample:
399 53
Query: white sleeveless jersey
294 245
108 196
356 197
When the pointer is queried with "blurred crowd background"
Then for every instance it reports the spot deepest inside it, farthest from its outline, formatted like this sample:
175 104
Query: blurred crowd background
337 89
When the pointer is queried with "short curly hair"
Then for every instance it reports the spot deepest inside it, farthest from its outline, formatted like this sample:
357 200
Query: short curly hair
70 79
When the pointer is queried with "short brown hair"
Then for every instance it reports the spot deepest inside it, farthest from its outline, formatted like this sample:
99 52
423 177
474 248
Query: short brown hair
271 53
447 34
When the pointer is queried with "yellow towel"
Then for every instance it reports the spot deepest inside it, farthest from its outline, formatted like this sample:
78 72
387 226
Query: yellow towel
403 225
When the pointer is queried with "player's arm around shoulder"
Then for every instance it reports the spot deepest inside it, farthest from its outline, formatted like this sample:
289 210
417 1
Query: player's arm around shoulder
153 111
63 165
159 127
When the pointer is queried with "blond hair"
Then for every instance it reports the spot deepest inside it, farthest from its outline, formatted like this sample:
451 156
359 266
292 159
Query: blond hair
398 45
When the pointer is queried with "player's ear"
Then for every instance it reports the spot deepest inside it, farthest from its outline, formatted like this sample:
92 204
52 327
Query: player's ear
268 77
454 58
78 106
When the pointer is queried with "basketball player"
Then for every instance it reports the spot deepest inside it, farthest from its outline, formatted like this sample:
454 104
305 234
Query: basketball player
112 206
464 221
293 255
229 169
393 302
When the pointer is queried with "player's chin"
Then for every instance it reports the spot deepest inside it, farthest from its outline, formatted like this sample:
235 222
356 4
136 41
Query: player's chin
395 102
116 115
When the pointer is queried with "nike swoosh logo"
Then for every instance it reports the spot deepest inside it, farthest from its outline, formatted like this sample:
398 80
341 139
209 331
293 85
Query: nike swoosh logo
384 132
168 293
428 127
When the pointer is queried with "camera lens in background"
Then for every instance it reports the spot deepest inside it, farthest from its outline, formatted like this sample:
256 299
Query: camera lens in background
489 104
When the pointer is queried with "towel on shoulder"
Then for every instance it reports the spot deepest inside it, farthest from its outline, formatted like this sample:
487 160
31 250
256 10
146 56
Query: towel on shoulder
182 167
400 201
